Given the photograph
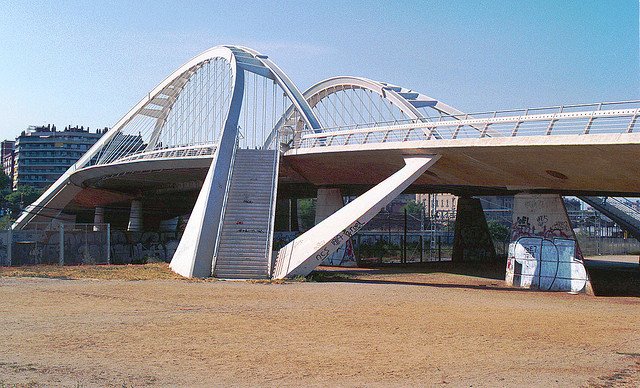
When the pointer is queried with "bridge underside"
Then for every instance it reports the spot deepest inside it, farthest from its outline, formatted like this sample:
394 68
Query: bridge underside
568 167
576 169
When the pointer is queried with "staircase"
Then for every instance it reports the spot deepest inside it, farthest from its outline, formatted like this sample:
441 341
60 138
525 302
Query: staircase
618 212
244 249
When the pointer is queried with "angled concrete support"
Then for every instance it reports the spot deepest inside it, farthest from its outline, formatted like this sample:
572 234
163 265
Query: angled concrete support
303 254
544 252
194 255
472 241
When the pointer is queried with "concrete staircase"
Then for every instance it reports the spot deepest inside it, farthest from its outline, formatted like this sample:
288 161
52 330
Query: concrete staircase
618 212
244 249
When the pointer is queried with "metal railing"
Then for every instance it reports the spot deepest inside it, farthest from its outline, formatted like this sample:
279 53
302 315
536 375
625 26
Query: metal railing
582 119
200 150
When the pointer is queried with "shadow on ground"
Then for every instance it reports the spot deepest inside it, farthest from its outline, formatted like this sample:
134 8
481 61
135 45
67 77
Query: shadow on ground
607 278
614 278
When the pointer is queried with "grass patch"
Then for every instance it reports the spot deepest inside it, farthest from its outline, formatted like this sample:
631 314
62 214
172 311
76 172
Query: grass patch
105 272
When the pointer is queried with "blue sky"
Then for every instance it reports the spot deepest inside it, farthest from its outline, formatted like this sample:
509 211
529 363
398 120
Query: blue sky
88 63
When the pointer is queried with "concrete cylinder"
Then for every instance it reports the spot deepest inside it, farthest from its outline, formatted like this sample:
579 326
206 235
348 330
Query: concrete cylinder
135 217
98 218
329 201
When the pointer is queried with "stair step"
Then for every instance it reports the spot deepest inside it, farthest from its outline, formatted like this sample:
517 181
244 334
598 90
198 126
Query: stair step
262 268
243 271
224 262
246 218
242 266
247 251
242 251
242 275
242 204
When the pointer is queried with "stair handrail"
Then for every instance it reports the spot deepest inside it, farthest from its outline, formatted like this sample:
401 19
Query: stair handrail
272 211
623 207
607 206
224 201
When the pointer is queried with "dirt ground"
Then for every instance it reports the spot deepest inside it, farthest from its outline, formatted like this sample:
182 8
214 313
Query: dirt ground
631 259
370 328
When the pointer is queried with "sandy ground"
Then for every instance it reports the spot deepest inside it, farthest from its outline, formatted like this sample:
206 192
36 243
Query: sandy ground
631 259
374 329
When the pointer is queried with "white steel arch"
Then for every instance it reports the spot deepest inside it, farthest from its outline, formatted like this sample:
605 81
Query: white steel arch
407 100
156 106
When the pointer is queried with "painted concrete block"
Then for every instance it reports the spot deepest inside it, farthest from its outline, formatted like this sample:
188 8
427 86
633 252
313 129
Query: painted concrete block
543 252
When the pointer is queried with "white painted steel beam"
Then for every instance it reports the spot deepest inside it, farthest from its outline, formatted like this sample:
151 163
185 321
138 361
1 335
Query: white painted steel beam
194 255
303 254
60 190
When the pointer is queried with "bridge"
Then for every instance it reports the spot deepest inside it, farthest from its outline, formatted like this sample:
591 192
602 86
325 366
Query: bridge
228 133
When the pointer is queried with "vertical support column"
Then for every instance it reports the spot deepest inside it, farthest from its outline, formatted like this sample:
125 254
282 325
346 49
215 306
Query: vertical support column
472 240
98 218
135 217
543 252
329 201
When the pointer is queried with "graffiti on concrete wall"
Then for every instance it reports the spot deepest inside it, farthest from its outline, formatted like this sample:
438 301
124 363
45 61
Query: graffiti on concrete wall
343 257
472 240
135 247
540 215
545 264
543 252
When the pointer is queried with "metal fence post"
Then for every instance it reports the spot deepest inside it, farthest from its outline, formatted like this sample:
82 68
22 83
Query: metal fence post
108 243
9 245
61 256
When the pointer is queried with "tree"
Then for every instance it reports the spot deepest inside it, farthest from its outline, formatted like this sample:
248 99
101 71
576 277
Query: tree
414 207
498 231
21 198
307 213
5 182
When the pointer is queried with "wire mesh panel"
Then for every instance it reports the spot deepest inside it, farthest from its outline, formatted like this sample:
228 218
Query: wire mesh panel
64 244
86 244
5 248
32 247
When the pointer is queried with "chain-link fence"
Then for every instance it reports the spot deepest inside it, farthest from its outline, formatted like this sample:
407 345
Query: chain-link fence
62 244
596 246
376 247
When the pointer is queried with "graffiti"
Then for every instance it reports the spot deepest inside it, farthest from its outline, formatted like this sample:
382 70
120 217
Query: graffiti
523 228
544 255
85 246
138 247
545 264
542 220
472 239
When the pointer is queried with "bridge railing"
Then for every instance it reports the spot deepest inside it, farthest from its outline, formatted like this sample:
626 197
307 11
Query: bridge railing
581 119
201 150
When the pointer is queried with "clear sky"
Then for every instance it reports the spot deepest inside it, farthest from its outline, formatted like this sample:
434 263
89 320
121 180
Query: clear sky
87 63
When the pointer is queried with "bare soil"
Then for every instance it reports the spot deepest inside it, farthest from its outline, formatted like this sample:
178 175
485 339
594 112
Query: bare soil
375 327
